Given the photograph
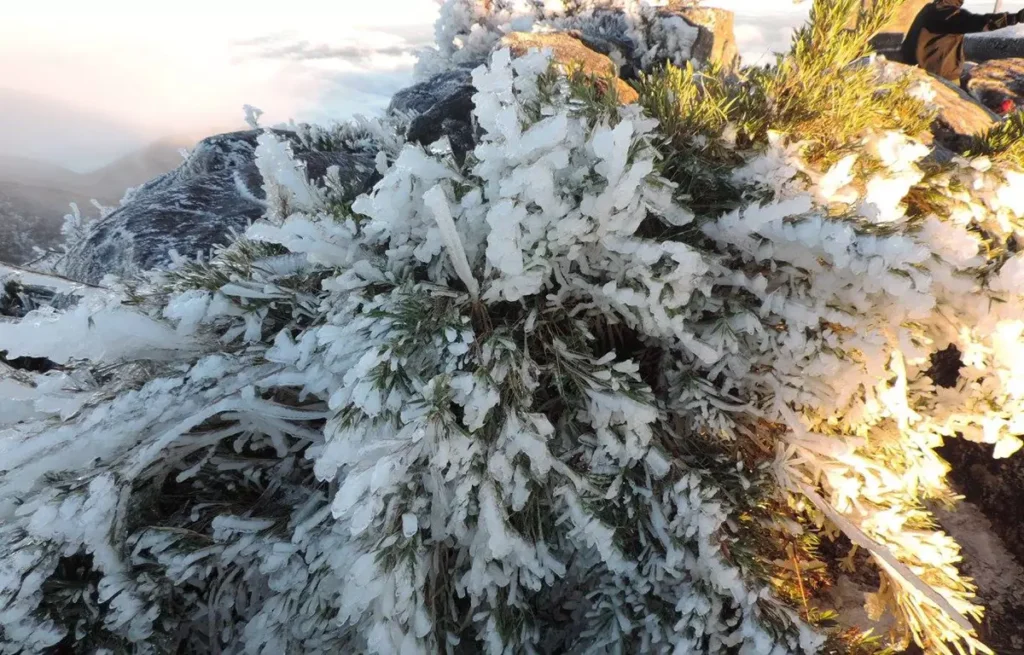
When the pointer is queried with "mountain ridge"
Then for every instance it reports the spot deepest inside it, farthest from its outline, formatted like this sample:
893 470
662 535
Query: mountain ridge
35 194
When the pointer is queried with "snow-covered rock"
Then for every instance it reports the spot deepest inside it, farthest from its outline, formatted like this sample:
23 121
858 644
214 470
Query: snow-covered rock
441 106
217 191
420 98
716 38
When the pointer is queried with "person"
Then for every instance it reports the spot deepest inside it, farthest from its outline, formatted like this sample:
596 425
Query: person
935 40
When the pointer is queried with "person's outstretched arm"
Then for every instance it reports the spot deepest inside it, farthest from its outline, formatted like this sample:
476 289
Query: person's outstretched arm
949 20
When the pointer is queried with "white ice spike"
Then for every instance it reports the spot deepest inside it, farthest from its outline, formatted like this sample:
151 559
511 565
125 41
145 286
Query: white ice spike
913 583
437 201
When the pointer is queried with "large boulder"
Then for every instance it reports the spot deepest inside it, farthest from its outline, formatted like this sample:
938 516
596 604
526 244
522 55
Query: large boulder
996 81
419 98
217 191
715 41
960 117
441 106
571 53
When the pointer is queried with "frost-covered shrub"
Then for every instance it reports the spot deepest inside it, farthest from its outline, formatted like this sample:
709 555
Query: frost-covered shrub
558 398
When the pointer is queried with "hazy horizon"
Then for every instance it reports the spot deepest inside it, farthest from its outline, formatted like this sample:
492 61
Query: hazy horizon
84 84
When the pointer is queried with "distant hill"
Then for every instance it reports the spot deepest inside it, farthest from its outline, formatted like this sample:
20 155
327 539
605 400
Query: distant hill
137 167
23 170
32 215
36 195
49 129
107 183
49 153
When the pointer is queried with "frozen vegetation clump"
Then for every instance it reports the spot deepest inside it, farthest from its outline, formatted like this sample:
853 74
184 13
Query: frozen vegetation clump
627 379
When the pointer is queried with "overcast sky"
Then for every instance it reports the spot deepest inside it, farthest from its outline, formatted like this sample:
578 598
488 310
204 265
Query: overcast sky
84 81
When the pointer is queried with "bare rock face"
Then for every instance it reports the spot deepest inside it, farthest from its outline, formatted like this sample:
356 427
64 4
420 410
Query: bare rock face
442 106
960 116
716 37
998 80
570 53
420 98
216 191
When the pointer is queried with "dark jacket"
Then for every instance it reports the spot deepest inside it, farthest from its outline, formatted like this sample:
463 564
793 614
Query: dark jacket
935 41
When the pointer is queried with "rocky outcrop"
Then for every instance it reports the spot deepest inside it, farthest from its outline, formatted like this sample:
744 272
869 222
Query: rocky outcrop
960 117
217 191
716 37
439 107
996 81
419 98
442 106
571 54
602 45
